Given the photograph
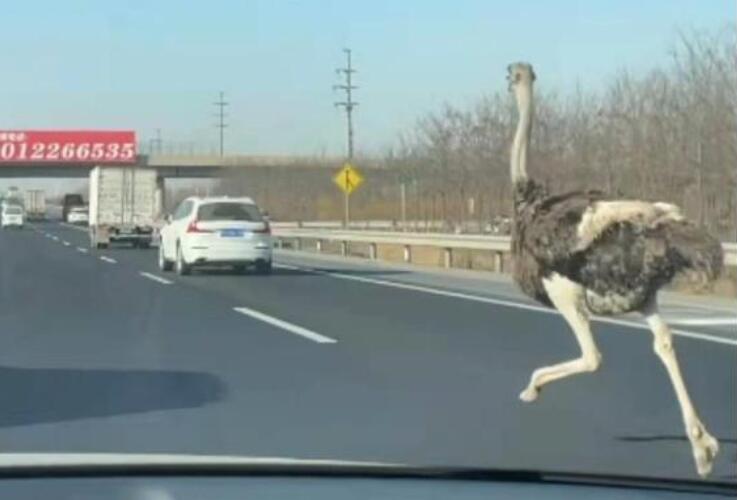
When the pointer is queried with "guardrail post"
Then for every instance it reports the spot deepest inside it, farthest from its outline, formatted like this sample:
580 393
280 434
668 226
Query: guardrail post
498 262
298 244
407 253
318 246
448 257
343 248
372 251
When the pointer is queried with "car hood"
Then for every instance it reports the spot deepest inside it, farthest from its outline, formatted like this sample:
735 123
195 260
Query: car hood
27 460
49 465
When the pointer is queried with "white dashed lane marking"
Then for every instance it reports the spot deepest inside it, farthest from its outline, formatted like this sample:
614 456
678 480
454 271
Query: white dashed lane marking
158 279
284 325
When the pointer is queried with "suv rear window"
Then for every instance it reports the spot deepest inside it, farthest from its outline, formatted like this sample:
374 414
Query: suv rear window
229 211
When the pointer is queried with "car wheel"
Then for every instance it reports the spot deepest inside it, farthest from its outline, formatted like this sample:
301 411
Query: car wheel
164 265
263 267
182 267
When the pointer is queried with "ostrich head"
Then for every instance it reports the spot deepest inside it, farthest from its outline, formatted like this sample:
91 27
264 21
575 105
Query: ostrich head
520 77
520 74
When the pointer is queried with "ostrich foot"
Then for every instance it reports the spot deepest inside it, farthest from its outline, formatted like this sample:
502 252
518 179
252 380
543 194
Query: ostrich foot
705 448
530 394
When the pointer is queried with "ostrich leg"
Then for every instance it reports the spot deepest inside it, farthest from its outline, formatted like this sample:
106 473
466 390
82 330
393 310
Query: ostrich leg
703 444
568 299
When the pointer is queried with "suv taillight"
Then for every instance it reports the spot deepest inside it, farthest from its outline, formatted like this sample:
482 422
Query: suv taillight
265 230
193 228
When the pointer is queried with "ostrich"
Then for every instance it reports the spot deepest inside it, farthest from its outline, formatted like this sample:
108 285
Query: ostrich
583 253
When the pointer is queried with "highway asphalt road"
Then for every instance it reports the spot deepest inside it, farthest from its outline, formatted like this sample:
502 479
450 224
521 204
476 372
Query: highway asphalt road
329 358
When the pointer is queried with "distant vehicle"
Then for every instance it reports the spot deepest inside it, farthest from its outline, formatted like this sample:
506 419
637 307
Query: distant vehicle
11 216
78 215
220 231
122 206
13 196
34 201
70 200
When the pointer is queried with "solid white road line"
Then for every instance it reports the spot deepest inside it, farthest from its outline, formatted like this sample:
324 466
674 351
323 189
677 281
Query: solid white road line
506 303
82 250
701 306
703 321
156 278
108 259
66 243
72 226
292 328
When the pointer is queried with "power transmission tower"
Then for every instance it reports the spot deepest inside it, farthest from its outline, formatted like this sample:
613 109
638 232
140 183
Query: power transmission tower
347 87
221 125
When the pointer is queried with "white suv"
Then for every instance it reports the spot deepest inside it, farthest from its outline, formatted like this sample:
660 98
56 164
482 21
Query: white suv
11 216
216 231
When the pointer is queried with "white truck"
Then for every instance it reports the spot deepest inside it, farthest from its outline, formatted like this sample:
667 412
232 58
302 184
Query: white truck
122 206
34 201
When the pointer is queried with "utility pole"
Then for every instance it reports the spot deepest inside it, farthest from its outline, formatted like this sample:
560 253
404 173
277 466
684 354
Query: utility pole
348 104
221 125
700 181
403 199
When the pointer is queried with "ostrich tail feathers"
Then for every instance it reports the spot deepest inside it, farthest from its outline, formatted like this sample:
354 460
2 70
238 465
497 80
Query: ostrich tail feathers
701 254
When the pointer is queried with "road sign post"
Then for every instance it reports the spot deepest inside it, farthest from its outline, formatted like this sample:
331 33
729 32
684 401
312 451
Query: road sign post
348 179
347 210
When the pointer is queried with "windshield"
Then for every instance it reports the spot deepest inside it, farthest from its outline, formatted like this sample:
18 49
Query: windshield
472 233
229 211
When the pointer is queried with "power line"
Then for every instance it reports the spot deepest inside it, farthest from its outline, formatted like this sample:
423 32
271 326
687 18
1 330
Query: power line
221 103
347 87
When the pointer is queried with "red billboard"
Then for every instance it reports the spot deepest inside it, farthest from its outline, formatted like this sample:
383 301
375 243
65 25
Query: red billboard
67 146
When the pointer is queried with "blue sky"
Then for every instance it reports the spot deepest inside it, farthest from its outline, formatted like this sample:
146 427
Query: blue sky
147 64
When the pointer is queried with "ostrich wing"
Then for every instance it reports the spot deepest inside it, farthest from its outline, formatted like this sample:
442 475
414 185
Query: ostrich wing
559 227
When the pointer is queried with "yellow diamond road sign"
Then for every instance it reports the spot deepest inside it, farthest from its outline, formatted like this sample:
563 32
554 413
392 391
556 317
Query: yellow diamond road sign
348 178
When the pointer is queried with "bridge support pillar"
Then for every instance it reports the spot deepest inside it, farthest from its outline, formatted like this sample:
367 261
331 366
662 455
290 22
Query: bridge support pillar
407 253
160 197
372 251
447 257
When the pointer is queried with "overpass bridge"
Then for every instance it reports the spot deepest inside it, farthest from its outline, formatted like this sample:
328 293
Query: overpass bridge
177 166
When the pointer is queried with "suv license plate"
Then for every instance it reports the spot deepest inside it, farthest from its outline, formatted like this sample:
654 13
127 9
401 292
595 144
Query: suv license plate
231 233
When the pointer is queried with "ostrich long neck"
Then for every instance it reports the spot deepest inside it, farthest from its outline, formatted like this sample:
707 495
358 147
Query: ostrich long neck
518 163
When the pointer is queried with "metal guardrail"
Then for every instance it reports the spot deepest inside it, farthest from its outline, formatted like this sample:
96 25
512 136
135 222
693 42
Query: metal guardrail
447 242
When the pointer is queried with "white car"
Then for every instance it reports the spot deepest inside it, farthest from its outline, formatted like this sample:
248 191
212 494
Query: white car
12 216
78 215
221 231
